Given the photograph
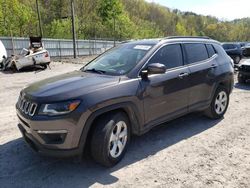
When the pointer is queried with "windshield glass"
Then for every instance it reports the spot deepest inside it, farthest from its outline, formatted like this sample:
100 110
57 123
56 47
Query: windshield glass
119 60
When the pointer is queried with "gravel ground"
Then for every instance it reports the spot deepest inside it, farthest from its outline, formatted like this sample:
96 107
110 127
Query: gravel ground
191 151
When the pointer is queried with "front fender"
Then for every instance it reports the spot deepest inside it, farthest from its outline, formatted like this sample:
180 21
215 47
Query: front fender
129 108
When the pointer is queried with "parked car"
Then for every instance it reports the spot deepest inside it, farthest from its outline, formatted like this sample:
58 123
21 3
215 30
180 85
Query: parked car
242 44
244 71
125 91
246 50
3 53
36 55
234 51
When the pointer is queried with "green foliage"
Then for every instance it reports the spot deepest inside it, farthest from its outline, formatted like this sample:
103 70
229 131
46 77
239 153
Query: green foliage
180 29
122 19
16 18
59 28
110 9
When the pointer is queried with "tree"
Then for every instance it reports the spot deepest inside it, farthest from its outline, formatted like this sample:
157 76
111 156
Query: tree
122 19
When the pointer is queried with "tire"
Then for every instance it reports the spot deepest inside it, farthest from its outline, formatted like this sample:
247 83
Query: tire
108 147
44 66
219 104
13 67
241 79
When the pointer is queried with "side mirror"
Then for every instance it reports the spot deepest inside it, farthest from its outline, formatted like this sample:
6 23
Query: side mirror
154 68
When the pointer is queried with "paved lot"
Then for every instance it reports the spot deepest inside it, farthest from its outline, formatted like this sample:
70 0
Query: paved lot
192 151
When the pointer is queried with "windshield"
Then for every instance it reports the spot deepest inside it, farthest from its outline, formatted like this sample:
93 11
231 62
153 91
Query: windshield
119 60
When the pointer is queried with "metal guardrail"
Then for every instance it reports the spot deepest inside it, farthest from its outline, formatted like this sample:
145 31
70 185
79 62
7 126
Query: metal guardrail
58 47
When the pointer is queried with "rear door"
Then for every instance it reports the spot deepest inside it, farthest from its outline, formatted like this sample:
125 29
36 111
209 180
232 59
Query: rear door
201 60
166 95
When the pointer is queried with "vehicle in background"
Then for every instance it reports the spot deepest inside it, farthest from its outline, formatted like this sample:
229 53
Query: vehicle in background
244 71
35 56
246 50
3 53
242 44
234 50
127 90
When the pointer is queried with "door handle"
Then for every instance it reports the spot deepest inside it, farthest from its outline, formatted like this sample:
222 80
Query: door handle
184 74
213 66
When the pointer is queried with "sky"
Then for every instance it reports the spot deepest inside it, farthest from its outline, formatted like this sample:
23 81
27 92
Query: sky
222 9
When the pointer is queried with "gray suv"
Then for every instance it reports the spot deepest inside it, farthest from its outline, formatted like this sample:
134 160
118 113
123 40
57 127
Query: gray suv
125 91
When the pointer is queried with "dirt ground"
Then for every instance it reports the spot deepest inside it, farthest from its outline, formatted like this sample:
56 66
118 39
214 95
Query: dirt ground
192 151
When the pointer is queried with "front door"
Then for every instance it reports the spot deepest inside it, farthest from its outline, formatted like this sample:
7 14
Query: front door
166 95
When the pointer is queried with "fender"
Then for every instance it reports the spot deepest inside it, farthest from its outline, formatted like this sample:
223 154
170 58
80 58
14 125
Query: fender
226 83
129 108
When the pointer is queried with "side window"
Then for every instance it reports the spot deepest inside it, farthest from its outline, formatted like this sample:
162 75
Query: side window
210 50
196 52
226 46
170 56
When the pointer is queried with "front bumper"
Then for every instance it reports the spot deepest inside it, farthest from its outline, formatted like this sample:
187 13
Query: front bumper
38 147
57 138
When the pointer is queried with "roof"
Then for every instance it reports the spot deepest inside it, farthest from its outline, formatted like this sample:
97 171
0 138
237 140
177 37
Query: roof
172 38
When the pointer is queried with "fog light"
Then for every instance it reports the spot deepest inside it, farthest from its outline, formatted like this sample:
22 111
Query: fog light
53 137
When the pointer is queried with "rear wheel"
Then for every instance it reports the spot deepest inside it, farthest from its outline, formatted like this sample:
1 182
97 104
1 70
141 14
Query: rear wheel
219 104
110 138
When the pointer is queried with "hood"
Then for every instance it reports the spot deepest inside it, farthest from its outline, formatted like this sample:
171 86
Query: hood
68 86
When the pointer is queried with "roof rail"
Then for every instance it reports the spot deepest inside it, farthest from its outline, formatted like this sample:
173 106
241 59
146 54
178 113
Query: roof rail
196 37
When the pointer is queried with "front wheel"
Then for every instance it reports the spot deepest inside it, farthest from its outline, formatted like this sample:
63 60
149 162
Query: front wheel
110 138
219 104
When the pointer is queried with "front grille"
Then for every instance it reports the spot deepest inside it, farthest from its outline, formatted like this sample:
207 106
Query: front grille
26 106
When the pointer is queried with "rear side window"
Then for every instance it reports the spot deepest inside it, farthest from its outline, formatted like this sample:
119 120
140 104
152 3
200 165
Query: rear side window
196 52
210 50
228 46
170 56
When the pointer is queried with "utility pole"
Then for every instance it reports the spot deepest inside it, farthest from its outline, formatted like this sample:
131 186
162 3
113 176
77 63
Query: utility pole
73 27
39 19
114 29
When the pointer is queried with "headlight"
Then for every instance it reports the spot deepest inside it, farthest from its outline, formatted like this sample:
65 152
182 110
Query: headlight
59 108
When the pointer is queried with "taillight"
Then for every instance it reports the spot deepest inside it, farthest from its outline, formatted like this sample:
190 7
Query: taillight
46 54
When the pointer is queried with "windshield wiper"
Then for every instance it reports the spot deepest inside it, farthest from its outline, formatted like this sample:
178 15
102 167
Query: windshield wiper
95 70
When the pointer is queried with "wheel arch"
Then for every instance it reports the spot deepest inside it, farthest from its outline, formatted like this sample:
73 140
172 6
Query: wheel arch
227 84
127 107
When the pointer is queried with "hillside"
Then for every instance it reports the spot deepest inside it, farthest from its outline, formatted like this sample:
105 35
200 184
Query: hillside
97 19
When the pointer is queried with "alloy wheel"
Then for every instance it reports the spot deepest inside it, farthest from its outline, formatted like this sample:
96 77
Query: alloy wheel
221 102
118 139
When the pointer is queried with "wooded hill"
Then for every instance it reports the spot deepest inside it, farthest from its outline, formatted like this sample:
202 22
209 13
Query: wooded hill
97 19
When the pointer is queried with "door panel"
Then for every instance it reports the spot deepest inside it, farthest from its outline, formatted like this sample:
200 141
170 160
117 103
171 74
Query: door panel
165 95
202 72
201 81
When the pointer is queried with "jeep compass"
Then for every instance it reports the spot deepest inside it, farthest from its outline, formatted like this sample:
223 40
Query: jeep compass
123 92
